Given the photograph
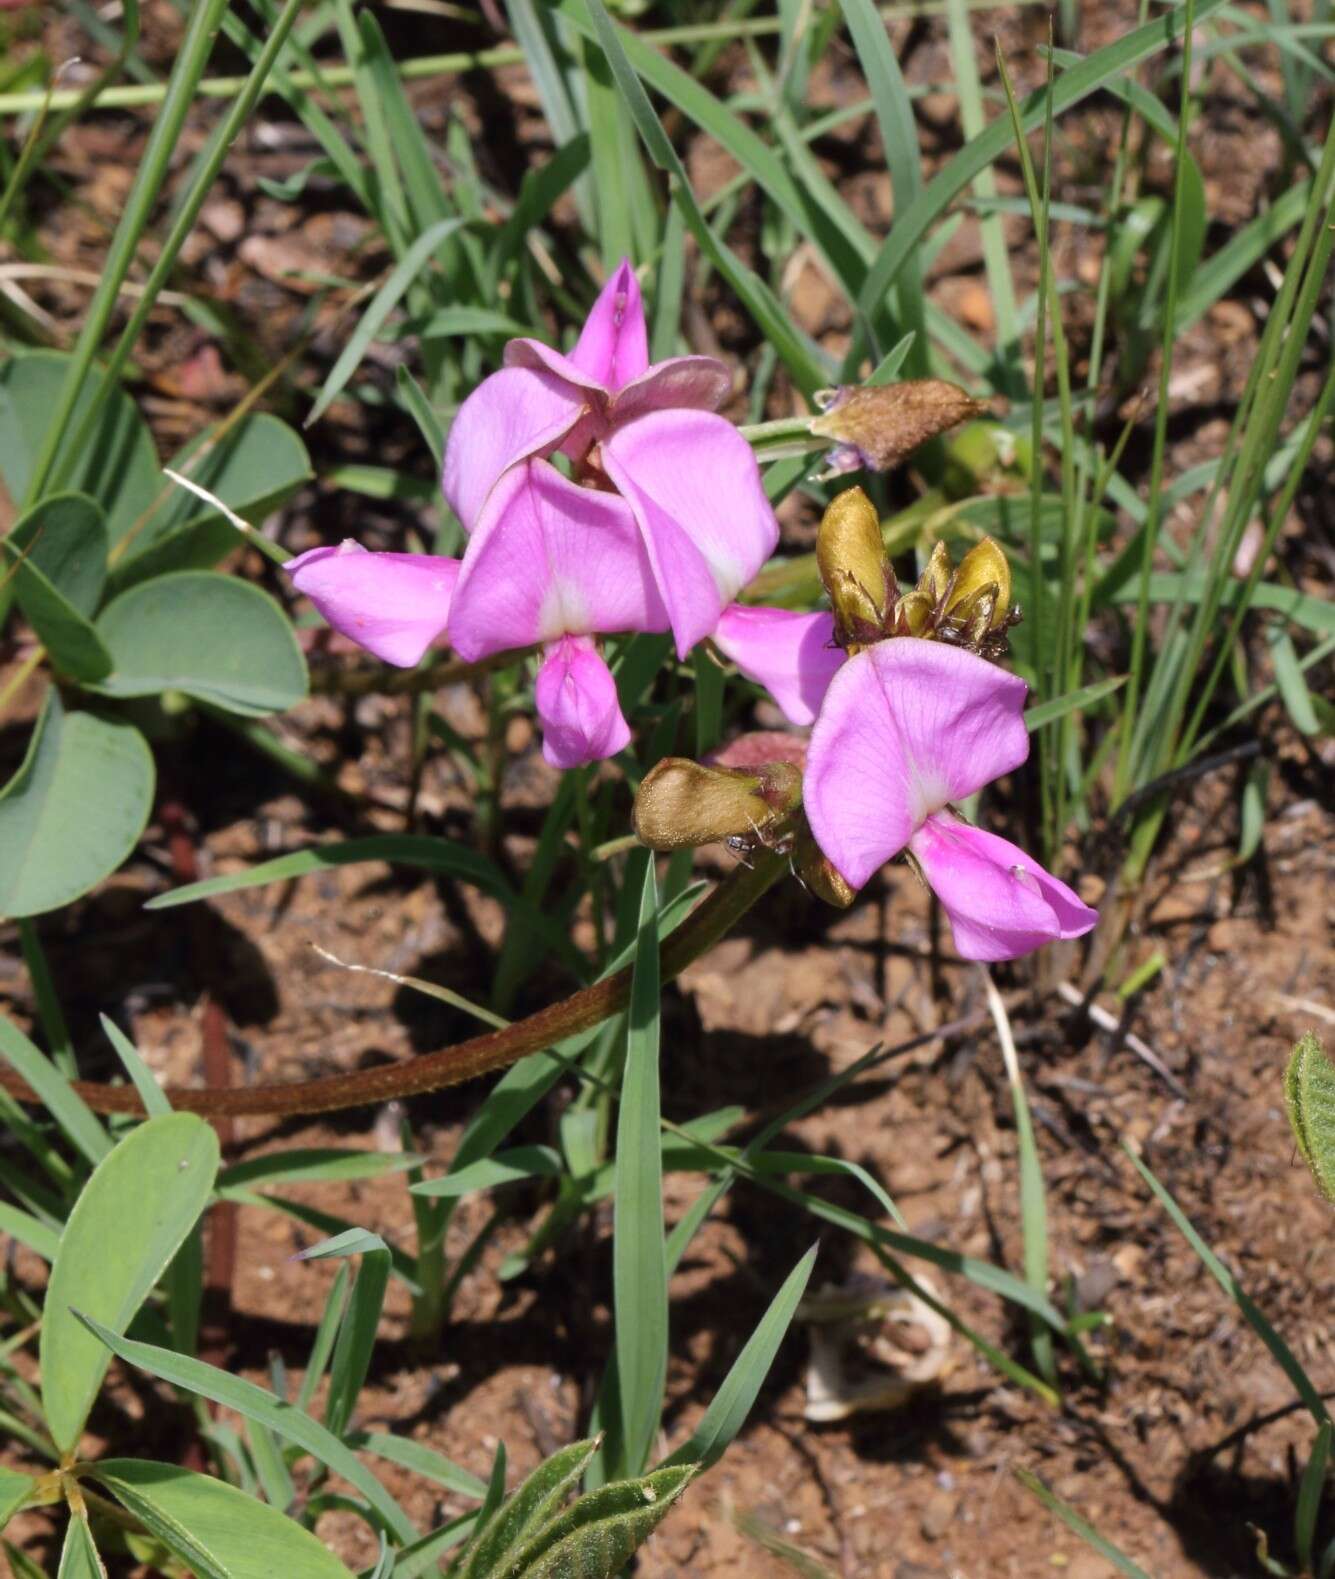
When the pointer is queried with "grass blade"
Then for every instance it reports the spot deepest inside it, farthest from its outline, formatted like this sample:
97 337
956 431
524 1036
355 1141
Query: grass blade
639 1266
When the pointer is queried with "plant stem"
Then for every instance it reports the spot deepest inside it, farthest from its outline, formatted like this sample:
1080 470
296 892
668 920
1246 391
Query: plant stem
135 94
479 1055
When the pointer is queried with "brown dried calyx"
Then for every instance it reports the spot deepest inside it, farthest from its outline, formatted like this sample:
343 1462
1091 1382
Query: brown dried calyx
878 426
967 605
682 804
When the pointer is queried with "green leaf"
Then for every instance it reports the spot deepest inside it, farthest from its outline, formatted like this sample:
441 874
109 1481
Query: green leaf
15 1489
1081 1527
639 1264
21 1565
61 1100
253 468
1293 690
79 1558
150 1092
1280 1352
130 1219
522 1516
56 839
292 1424
421 1460
119 469
65 537
596 1536
1309 1091
417 850
306 1165
1058 706
41 1240
216 1530
67 542
214 637
1309 1497
522 1162
732 1403
385 300
361 1319
912 224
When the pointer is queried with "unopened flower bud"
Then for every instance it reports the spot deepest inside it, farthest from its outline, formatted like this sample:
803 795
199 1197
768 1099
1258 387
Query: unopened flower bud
818 872
855 567
683 804
877 426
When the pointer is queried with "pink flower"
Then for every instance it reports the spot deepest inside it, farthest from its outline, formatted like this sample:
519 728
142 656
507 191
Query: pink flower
792 655
549 564
650 432
906 728
394 605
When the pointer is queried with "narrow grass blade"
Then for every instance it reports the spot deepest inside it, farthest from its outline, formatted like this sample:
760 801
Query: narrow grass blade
639 1266
80 1124
255 1403
1280 1351
361 1320
1086 1531
732 1403
385 300
150 1092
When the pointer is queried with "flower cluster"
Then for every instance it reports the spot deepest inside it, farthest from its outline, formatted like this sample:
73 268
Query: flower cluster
601 494
910 717
658 525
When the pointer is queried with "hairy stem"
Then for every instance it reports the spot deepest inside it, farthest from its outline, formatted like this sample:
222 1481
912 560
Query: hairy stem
479 1055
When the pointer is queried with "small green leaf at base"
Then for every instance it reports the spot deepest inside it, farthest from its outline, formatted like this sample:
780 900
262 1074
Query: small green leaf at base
596 1536
140 1203
1309 1090
216 1530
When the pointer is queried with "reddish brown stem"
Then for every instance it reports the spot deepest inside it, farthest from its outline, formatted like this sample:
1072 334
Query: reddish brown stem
479 1055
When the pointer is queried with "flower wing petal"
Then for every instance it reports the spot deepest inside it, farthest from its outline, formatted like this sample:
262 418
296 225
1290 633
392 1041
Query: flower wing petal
701 383
393 605
577 704
515 413
1000 901
550 559
906 727
695 488
792 655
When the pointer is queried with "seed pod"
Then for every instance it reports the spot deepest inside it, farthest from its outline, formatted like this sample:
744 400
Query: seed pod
683 804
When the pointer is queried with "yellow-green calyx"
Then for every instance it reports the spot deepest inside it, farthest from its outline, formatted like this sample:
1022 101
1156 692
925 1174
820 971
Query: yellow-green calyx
855 568
967 605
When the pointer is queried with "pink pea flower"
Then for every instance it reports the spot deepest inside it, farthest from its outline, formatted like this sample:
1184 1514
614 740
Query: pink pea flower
651 433
549 564
393 605
906 728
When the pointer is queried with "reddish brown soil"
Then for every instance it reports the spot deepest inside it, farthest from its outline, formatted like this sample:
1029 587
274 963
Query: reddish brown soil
1191 1436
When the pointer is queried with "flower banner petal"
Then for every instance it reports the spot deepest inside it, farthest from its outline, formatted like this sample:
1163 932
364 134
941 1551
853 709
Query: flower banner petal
550 559
577 704
906 727
695 488
792 655
1000 901
613 346
393 605
515 413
